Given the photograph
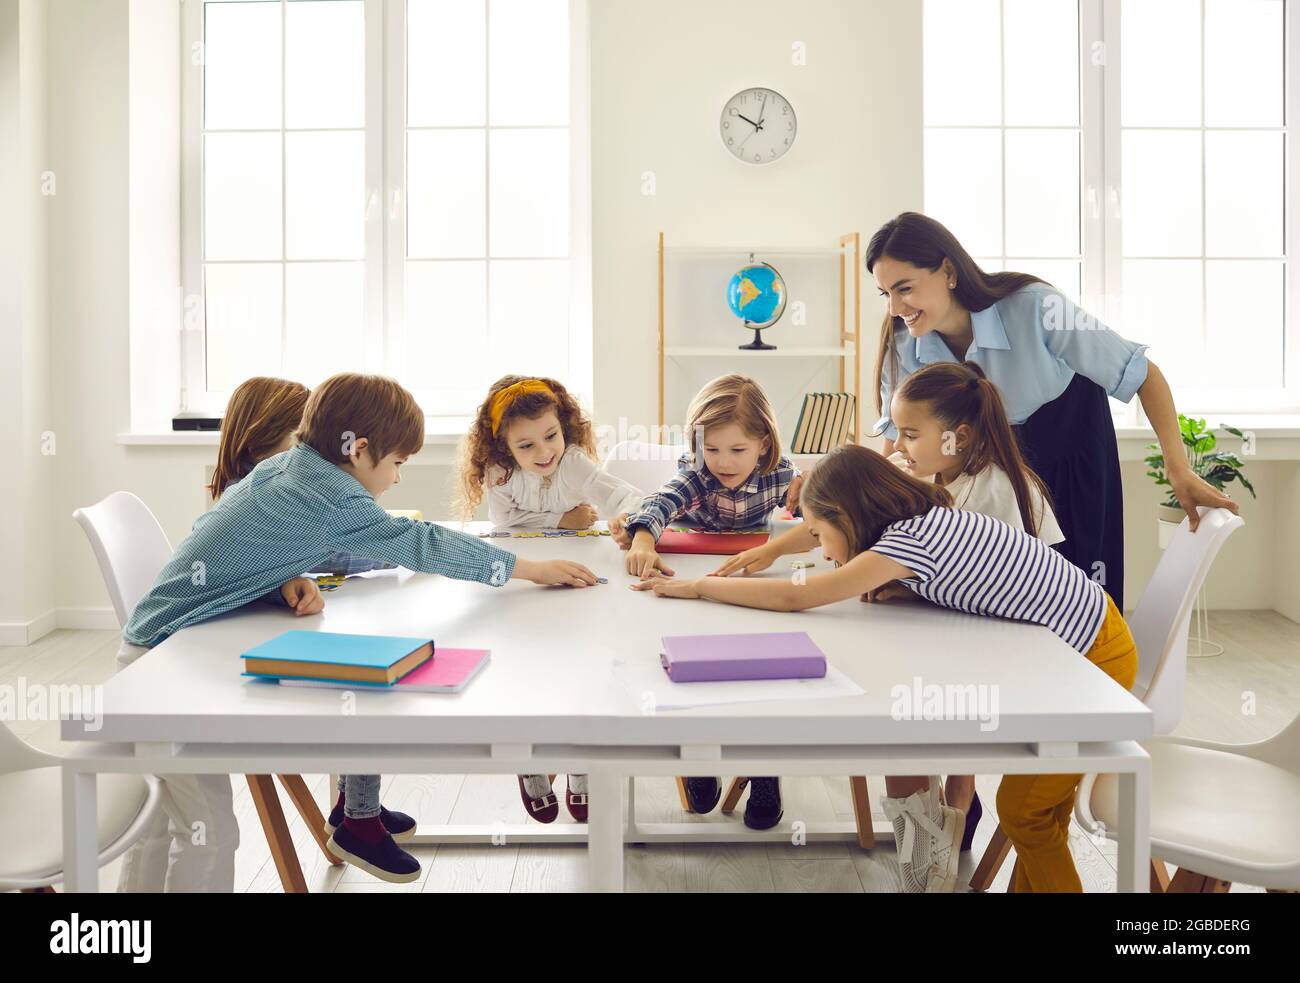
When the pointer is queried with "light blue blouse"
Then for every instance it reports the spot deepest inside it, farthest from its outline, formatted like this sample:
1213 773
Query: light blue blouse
1030 344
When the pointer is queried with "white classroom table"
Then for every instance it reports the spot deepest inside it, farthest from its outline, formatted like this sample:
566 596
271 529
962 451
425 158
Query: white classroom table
551 700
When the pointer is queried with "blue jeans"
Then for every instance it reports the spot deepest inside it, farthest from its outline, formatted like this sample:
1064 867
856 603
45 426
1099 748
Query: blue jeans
360 796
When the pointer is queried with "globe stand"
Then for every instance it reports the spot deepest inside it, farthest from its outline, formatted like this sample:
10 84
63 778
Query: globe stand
757 345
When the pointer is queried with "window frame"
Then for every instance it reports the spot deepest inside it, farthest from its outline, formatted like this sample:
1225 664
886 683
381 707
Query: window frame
385 196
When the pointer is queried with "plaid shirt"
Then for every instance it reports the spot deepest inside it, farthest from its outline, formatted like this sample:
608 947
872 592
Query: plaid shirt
292 513
696 496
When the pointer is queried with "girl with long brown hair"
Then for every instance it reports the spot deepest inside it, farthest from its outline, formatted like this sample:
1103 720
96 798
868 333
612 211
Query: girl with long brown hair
878 524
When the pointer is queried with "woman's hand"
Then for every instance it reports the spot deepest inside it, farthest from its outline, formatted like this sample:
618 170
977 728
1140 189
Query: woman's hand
642 561
750 561
667 587
1192 490
303 595
892 591
618 531
552 572
578 517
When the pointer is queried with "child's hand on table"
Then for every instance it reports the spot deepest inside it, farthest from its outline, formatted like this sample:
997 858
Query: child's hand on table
643 561
750 561
303 596
668 587
579 517
618 530
552 572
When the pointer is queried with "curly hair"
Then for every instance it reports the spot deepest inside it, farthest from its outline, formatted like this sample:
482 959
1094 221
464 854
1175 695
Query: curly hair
481 450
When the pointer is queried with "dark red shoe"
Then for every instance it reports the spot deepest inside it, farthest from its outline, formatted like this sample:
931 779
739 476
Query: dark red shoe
545 808
575 801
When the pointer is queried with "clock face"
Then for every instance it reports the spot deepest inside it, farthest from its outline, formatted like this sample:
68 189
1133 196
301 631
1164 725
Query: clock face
758 126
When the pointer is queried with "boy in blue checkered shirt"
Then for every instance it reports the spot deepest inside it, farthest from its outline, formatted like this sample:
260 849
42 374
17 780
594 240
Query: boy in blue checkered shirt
732 477
292 512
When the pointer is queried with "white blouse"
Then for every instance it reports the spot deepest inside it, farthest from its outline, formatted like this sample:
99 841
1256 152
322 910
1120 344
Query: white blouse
990 493
529 500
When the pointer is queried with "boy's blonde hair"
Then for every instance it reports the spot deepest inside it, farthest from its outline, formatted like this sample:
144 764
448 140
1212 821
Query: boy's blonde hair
740 400
350 405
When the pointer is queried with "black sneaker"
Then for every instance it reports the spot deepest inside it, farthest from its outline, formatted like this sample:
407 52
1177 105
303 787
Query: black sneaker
703 794
400 826
763 810
385 859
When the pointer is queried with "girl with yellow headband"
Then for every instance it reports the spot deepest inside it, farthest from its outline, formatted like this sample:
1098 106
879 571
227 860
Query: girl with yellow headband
531 453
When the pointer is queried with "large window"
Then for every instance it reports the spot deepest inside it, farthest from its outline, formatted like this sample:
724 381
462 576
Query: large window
385 185
1135 153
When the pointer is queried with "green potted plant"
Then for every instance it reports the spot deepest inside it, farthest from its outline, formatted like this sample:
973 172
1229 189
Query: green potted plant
1216 467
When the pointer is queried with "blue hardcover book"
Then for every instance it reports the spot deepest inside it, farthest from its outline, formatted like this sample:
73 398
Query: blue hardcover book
381 659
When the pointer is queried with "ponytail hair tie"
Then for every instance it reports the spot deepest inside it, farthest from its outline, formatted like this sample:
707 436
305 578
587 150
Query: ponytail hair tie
502 400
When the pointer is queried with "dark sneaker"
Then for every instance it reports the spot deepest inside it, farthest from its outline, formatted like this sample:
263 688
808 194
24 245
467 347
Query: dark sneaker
400 826
763 810
384 859
703 794
972 822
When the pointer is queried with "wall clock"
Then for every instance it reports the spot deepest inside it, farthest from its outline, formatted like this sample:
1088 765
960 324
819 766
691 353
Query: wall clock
758 125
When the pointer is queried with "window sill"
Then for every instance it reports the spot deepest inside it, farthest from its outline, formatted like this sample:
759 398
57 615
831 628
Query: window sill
1277 436
441 436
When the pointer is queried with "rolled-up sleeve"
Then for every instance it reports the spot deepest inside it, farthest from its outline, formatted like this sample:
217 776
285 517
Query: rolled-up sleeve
1090 348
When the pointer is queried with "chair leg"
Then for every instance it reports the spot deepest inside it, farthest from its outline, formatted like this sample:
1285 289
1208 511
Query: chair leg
277 833
681 794
1186 882
1159 877
1015 873
995 854
1215 886
302 799
36 890
734 791
862 812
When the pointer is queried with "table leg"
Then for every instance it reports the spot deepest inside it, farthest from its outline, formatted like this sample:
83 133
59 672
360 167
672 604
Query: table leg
1134 860
605 831
80 832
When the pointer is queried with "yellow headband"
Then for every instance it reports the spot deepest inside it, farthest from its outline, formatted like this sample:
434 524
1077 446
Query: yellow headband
509 394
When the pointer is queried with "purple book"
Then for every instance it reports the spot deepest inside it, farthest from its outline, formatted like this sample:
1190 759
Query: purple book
757 655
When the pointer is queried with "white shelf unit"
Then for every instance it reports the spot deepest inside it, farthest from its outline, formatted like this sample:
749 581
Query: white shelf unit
849 335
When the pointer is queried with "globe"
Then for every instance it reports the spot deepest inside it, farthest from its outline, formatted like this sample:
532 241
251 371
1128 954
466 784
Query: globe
756 295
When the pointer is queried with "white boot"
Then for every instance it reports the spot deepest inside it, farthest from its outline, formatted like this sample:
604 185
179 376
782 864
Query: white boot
927 835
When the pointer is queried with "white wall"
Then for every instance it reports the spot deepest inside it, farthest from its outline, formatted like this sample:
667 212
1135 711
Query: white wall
26 539
660 73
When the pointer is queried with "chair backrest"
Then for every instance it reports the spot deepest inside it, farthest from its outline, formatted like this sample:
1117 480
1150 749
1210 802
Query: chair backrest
130 546
1160 621
642 465
17 755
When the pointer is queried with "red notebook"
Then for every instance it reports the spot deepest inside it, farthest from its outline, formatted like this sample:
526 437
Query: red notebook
717 543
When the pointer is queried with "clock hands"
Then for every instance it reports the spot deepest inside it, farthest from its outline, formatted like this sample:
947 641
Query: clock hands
756 126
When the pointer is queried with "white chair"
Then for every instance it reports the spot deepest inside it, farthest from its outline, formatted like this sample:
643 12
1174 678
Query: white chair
31 797
644 466
1159 625
131 549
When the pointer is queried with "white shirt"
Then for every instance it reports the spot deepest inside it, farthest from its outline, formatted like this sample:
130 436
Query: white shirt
990 493
529 500
975 563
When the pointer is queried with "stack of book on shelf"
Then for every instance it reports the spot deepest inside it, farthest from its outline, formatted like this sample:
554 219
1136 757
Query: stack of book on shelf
374 662
825 422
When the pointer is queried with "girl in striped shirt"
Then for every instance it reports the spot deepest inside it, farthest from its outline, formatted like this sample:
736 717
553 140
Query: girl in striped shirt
878 525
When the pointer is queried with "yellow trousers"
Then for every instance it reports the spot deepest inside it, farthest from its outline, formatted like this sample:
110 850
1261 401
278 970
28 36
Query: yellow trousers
1035 810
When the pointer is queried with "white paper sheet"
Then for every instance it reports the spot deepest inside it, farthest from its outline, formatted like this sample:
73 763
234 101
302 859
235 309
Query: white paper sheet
649 686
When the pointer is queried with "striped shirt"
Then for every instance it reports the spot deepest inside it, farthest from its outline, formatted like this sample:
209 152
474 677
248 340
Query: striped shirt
290 514
981 565
696 496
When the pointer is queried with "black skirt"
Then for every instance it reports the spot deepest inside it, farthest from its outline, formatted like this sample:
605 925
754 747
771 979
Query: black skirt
1071 443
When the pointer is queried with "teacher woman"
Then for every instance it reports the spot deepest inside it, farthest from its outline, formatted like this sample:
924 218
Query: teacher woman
1054 364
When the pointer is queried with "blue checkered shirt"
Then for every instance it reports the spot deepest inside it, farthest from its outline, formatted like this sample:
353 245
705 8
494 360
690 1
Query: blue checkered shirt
290 514
694 495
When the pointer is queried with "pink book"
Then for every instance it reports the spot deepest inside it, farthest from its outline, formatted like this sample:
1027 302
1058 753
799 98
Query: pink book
758 655
449 671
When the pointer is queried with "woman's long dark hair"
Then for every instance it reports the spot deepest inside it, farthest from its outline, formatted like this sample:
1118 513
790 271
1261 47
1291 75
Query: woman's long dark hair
918 239
958 394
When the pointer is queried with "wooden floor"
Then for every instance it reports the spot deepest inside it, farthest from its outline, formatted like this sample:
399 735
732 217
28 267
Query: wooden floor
1247 693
